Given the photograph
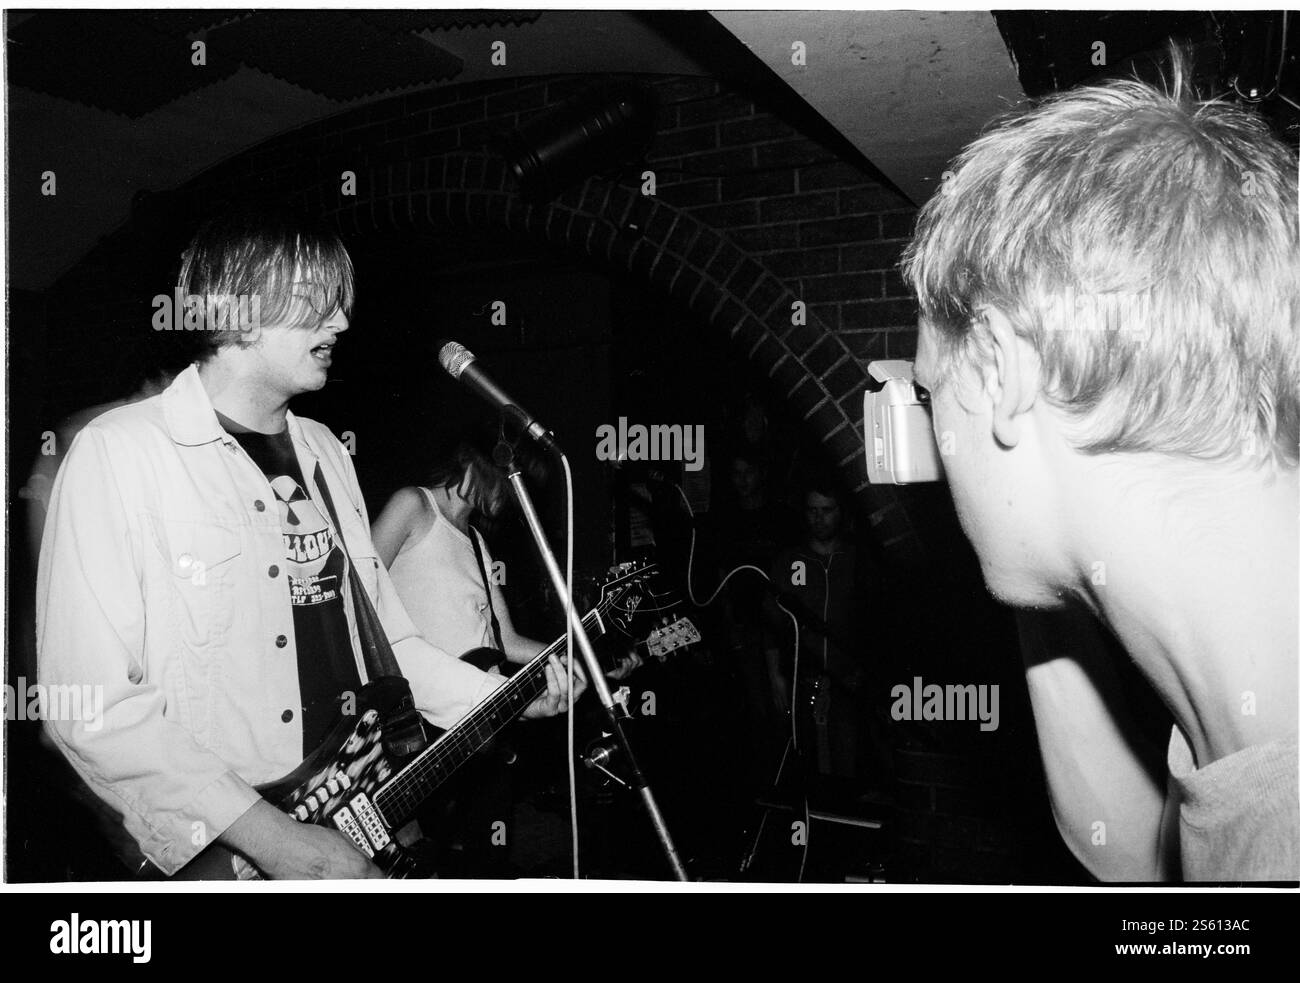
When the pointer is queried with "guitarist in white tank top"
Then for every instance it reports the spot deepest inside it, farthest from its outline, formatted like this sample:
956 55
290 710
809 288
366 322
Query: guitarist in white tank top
424 536
425 539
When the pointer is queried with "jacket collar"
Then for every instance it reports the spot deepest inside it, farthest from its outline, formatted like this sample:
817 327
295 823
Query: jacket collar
191 419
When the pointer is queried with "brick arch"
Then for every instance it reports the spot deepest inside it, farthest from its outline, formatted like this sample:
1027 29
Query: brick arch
699 267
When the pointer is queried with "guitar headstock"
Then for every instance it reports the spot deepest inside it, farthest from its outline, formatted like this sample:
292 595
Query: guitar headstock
671 634
634 597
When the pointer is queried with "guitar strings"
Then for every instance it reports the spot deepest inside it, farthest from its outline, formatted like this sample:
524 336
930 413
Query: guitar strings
470 731
473 732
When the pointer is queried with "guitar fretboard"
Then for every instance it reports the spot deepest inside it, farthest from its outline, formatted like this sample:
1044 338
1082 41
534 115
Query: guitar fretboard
402 793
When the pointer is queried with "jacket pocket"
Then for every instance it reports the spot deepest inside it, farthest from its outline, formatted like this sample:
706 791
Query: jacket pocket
199 557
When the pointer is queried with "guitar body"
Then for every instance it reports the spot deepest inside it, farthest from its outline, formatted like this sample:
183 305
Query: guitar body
335 787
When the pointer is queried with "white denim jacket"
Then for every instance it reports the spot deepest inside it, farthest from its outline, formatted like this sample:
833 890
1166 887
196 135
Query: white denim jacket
162 580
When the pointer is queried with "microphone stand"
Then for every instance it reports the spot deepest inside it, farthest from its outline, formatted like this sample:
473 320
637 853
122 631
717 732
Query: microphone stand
615 713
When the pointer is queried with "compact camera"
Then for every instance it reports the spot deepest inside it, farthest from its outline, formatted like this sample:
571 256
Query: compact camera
896 426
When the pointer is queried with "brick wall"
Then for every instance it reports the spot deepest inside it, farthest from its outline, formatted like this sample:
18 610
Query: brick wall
816 221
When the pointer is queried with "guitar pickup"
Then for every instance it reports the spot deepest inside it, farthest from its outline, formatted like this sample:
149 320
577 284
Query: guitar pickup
348 824
375 830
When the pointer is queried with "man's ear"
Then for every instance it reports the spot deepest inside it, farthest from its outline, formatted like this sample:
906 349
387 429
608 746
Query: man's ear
1011 378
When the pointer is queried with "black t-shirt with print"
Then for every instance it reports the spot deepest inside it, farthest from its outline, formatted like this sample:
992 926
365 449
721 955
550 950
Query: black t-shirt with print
316 567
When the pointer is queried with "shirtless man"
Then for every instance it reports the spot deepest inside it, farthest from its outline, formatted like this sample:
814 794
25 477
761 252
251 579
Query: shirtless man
1110 331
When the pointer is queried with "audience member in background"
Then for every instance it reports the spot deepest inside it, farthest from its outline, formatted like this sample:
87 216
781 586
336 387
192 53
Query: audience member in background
746 528
822 583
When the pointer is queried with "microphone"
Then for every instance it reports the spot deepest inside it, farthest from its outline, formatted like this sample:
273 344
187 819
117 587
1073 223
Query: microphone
460 363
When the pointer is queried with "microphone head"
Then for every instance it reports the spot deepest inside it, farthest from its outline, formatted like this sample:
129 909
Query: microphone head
454 357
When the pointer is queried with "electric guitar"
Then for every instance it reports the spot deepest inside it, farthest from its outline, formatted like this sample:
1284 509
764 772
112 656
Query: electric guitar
356 783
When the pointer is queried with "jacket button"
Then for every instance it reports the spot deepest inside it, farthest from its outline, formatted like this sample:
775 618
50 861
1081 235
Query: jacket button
286 716
281 641
259 505
274 571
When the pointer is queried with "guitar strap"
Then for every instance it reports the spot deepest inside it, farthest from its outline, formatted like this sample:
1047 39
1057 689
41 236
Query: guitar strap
404 728
482 572
375 649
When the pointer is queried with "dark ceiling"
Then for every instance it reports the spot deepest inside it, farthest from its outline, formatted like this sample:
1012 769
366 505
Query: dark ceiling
1248 56
132 62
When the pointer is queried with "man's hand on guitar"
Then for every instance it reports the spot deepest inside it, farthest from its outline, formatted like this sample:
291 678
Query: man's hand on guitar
320 854
625 666
283 849
556 698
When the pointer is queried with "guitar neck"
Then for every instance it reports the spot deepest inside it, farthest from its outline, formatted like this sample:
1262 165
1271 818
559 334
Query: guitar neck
403 793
